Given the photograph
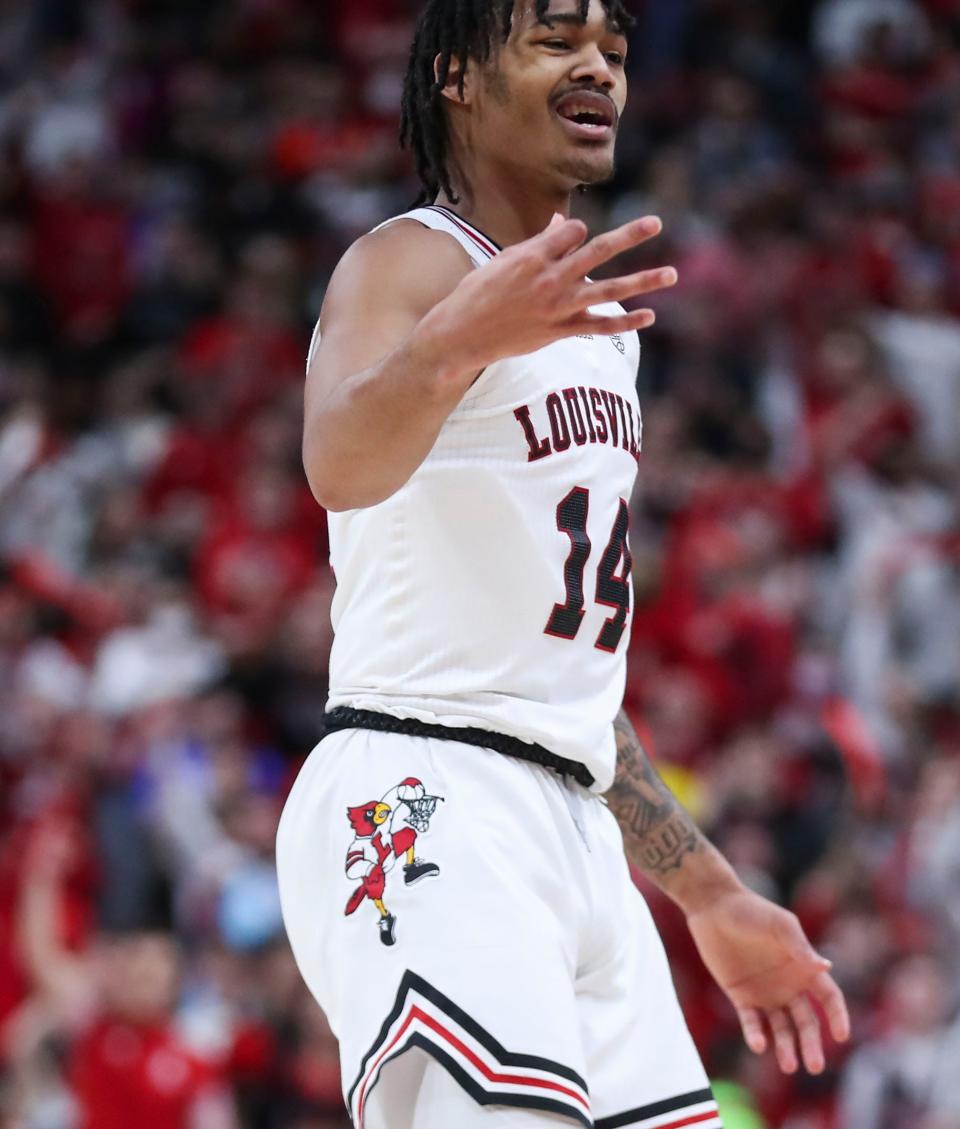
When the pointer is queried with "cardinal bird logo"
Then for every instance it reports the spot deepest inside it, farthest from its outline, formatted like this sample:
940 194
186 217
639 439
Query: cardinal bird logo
384 831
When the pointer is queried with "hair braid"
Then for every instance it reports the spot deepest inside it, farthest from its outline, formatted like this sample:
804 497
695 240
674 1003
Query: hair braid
464 30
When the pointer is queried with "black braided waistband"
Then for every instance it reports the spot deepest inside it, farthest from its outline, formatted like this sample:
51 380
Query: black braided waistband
345 718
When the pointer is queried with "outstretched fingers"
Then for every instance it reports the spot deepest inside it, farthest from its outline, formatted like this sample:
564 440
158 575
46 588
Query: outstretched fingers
629 286
825 991
751 1023
561 237
798 1024
784 1043
610 326
604 247
808 1029
754 1024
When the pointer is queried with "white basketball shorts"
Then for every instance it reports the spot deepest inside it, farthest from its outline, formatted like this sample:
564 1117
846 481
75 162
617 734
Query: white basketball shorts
450 907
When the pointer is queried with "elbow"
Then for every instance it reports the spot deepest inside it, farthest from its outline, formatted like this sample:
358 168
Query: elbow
338 489
336 500
335 503
326 481
329 493
331 503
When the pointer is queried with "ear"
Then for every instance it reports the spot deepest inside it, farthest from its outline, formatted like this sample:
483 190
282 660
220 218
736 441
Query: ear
451 88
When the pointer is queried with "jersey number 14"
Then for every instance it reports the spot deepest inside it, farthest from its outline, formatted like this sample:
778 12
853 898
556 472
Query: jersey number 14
613 572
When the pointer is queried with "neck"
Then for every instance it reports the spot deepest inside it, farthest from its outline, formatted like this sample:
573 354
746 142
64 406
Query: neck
504 208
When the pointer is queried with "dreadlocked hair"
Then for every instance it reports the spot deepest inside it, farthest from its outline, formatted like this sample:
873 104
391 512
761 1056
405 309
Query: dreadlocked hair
463 30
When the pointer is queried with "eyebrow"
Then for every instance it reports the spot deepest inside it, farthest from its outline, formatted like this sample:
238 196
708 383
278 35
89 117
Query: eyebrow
571 19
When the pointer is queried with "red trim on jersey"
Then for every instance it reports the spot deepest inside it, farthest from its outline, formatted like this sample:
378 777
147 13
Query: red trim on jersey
490 1075
694 1119
480 241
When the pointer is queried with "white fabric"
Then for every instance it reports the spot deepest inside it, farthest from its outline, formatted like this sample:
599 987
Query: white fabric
417 1093
528 967
444 591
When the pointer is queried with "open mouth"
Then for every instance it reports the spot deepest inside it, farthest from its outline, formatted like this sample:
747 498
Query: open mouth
587 115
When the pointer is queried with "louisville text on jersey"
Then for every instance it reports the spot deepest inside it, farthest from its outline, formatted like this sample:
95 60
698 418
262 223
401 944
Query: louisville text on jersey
575 417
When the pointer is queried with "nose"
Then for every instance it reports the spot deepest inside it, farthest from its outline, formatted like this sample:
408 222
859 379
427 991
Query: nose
592 69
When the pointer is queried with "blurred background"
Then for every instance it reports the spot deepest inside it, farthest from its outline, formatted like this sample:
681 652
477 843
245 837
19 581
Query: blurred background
177 180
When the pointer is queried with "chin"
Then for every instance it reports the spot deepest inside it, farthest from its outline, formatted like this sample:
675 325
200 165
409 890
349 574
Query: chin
586 171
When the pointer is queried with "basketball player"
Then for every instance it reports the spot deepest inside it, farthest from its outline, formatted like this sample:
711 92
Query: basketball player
453 876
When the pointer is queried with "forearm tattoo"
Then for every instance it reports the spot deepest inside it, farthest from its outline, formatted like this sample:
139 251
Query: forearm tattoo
658 832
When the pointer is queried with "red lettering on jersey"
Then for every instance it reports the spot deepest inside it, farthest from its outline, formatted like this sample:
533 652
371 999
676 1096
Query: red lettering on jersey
558 423
539 448
577 425
587 413
610 406
579 416
624 438
634 437
602 434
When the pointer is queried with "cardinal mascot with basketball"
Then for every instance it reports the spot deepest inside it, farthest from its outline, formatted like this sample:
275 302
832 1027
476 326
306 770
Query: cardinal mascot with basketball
385 830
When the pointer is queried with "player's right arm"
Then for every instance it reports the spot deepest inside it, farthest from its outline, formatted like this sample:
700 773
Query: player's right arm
374 403
407 325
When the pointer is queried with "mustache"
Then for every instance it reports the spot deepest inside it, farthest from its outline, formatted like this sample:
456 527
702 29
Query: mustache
592 90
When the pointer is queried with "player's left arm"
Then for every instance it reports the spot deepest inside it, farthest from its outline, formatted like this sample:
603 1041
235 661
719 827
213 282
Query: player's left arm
756 951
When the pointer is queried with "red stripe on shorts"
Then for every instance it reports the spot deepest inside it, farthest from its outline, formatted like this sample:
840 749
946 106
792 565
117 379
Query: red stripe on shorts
694 1119
490 1075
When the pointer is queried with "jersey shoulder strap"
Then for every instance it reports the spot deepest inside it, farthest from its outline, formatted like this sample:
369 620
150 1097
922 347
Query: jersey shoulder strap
478 246
480 249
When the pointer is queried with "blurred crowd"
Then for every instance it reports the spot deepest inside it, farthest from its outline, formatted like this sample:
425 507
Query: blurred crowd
176 182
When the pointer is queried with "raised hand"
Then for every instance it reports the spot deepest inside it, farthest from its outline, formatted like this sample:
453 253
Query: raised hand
761 958
537 292
408 325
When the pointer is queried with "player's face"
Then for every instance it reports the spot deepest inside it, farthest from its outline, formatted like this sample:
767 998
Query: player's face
551 97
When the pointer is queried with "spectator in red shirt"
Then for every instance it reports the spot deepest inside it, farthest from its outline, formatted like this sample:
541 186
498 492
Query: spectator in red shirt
114 1005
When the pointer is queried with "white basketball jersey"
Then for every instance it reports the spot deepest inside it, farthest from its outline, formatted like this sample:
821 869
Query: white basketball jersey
493 589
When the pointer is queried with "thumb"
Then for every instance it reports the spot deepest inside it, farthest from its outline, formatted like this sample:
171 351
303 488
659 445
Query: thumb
557 220
795 941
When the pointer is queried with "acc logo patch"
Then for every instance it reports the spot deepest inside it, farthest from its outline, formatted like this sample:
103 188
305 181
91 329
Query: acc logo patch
386 830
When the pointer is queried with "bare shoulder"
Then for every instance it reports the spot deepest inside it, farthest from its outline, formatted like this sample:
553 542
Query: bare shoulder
405 266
